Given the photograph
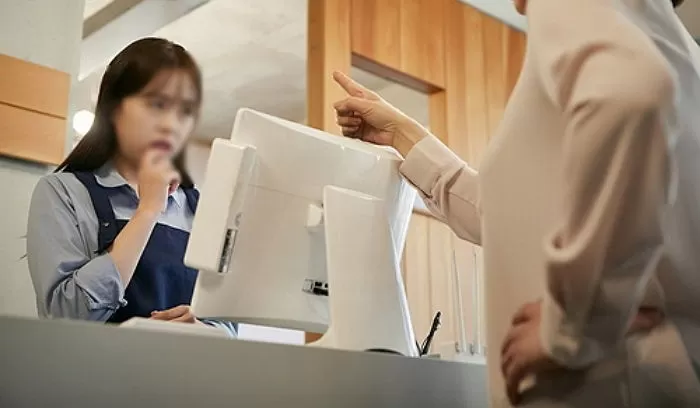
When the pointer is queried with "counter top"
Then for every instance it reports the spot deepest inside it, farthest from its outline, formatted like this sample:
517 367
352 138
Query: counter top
68 363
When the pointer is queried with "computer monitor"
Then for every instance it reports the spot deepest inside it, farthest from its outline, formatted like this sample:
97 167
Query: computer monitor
290 217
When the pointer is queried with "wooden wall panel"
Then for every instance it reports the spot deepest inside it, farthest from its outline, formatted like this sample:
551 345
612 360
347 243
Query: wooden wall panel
442 287
328 50
29 135
33 110
404 35
468 63
467 269
494 71
33 87
456 75
437 112
417 280
514 55
444 45
423 40
483 61
376 30
476 91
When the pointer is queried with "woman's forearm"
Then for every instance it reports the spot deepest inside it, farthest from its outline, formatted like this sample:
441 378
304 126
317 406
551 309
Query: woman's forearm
131 241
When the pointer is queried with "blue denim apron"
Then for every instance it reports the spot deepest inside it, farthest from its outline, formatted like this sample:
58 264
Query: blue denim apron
161 279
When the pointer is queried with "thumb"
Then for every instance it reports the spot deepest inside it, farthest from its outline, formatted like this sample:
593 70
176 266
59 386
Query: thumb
354 104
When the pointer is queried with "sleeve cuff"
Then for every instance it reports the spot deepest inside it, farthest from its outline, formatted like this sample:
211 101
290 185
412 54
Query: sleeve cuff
561 342
426 162
101 281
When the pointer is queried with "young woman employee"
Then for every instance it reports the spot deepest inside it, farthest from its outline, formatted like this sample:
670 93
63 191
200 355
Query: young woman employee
107 231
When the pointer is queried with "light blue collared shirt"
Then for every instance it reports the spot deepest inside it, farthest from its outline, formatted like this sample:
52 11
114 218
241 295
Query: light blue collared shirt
70 279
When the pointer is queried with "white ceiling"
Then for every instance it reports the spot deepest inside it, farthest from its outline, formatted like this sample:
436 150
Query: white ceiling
501 9
253 54
93 6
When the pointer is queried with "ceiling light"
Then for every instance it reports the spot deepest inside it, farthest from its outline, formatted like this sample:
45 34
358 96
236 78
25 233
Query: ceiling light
82 121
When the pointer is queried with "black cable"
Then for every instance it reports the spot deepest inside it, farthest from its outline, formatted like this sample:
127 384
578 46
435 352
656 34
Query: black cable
425 347
383 350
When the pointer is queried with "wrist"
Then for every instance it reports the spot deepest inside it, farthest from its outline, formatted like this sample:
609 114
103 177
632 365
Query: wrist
408 134
147 213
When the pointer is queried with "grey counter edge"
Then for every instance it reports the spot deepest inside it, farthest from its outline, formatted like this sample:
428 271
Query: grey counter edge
67 363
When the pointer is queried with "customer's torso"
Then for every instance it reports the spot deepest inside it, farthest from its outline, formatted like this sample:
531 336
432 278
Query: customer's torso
521 181
680 276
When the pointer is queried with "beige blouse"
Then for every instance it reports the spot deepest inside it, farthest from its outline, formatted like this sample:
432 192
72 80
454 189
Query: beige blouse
568 200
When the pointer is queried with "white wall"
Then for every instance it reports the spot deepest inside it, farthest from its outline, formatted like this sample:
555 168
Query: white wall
502 10
46 32
270 334
413 103
197 157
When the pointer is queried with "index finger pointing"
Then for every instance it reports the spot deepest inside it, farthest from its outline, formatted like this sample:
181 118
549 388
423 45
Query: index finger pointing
352 87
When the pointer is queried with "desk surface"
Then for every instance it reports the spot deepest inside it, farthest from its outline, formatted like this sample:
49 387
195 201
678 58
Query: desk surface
67 363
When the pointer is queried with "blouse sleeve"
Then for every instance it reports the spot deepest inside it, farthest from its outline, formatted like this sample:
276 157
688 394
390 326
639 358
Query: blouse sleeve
68 281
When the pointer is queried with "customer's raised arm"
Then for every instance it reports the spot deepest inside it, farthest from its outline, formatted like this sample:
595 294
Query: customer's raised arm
449 187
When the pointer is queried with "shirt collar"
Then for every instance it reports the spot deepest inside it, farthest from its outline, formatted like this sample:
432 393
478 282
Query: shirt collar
107 176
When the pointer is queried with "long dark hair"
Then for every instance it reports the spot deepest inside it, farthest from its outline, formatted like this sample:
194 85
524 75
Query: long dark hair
126 75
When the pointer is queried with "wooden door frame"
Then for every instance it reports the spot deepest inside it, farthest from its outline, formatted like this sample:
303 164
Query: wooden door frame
329 48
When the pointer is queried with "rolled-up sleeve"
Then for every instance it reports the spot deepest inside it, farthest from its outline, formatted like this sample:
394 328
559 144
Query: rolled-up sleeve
69 282
615 93
448 186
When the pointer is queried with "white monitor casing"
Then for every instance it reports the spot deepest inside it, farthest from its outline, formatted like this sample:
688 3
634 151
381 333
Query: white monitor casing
261 231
